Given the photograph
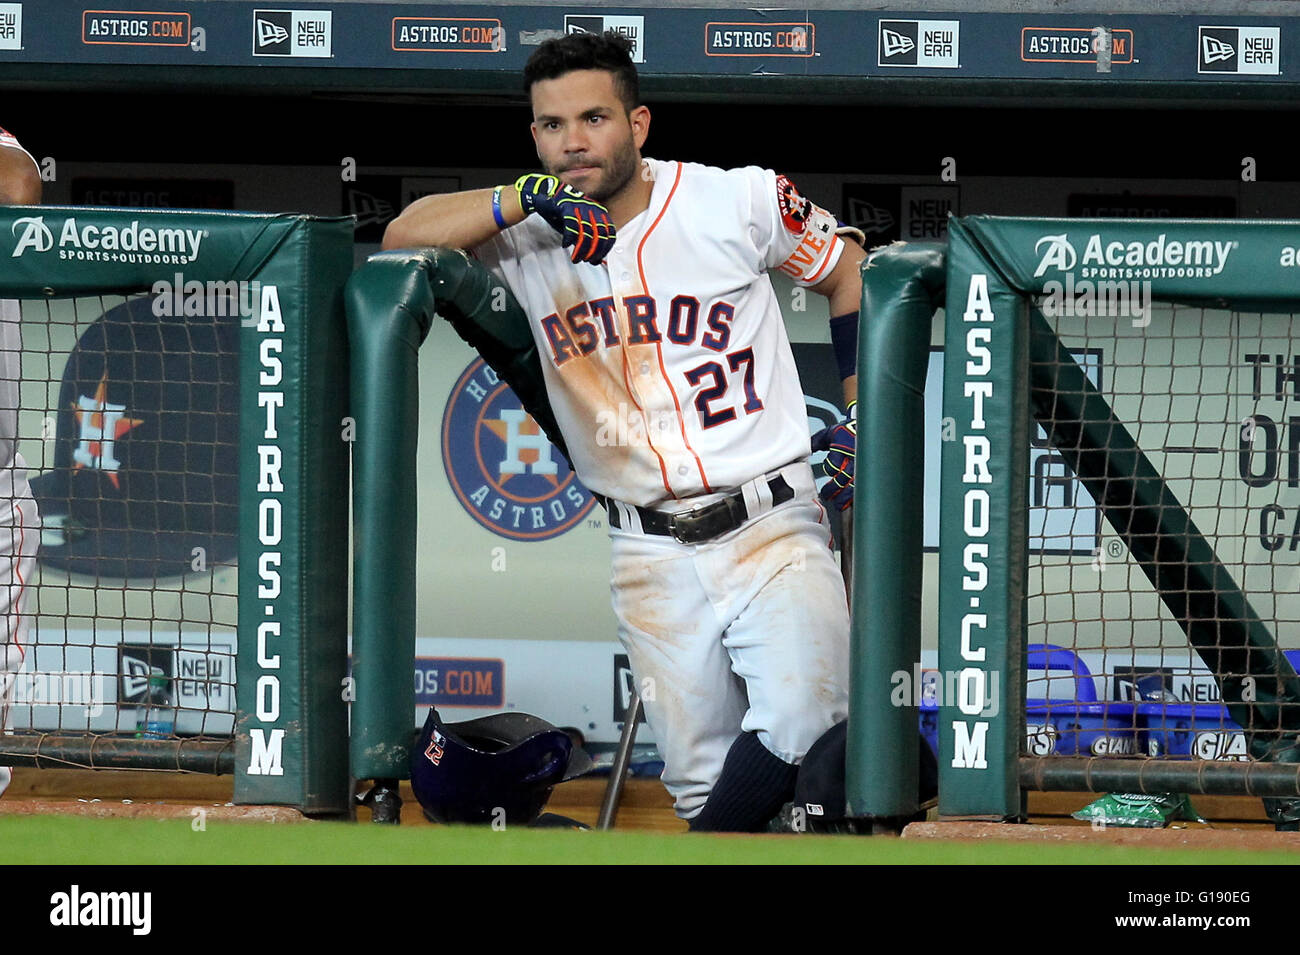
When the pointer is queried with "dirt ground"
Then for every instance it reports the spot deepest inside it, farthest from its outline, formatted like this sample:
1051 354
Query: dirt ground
1231 820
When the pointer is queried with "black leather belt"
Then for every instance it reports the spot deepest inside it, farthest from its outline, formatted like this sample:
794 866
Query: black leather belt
703 523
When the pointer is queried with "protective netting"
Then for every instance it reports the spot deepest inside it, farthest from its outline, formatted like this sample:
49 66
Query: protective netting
127 420
1213 400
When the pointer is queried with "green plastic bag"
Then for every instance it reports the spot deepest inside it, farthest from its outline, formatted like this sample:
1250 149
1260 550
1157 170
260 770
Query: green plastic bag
1153 811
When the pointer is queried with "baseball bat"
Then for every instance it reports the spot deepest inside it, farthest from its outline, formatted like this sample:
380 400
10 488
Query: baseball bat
622 758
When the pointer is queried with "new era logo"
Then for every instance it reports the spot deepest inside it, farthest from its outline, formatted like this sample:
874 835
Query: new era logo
1216 51
271 32
630 28
919 43
268 33
135 677
292 33
1240 50
870 218
144 672
895 44
11 26
584 24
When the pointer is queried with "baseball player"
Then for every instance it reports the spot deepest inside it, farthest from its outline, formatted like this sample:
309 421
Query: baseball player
20 184
645 283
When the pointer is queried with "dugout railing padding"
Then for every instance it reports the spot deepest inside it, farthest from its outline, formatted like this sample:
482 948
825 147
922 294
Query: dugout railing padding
998 344
292 615
392 302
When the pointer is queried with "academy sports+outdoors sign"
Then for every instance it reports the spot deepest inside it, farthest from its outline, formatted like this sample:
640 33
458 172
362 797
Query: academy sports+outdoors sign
107 242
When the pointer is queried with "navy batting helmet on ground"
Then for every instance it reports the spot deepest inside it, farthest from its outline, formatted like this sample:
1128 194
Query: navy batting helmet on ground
492 769
819 788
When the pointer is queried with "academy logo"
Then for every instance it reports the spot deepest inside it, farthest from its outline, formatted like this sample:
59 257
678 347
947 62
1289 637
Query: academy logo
1160 258
501 466
1059 254
36 235
107 243
1244 51
918 43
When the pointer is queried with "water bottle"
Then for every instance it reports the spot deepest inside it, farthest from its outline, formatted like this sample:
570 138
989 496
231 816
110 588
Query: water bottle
157 717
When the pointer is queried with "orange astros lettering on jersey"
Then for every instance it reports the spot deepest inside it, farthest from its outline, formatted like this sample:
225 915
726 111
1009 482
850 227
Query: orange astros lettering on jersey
809 257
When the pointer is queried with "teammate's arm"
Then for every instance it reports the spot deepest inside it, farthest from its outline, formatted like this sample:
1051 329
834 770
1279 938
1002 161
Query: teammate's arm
20 180
843 289
454 220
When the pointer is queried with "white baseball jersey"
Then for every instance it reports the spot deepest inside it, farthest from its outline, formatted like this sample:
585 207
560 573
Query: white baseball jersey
19 523
668 365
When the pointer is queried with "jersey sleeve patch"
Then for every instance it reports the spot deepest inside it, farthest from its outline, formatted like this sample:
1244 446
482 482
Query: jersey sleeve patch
8 139
795 209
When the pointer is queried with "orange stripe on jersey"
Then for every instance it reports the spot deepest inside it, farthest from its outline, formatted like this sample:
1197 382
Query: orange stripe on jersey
640 249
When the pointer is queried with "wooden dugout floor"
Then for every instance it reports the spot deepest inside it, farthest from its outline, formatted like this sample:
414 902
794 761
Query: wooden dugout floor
645 805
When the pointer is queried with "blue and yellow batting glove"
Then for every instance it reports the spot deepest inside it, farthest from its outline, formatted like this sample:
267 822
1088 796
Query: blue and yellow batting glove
584 223
840 442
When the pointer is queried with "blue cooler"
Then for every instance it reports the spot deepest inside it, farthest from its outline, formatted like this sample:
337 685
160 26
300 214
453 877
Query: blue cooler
1078 724
1190 731
1195 730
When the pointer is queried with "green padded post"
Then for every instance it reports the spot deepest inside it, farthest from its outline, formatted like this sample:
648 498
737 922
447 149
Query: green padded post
902 287
392 302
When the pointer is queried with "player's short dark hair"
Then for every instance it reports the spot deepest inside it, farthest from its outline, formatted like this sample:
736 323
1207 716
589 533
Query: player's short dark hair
587 51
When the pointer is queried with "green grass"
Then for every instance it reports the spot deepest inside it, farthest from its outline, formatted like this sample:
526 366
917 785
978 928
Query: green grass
62 840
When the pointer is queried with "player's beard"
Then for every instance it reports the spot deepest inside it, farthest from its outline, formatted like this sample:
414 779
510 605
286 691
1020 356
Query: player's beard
616 174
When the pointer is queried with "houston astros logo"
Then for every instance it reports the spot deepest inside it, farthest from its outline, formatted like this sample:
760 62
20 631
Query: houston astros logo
100 425
501 466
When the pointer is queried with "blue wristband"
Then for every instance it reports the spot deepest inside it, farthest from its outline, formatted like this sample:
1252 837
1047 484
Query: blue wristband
844 339
496 207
